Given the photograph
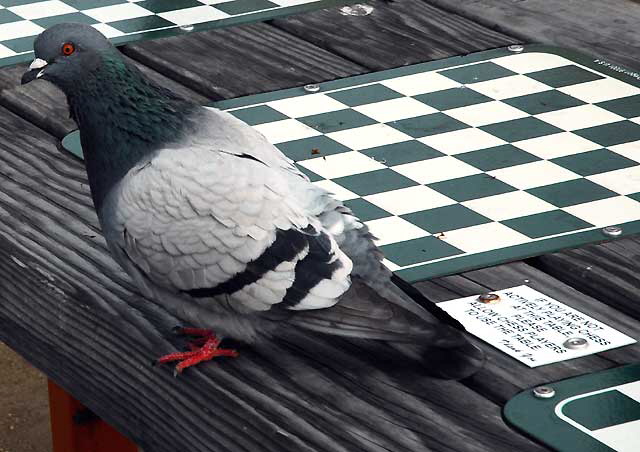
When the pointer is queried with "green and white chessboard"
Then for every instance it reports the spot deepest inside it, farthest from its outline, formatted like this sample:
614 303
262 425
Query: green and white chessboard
469 161
129 20
599 412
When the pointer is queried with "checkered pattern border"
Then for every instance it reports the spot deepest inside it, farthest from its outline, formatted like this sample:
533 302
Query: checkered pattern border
468 161
598 412
129 20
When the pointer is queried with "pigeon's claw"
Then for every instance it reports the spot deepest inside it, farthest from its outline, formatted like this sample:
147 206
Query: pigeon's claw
203 348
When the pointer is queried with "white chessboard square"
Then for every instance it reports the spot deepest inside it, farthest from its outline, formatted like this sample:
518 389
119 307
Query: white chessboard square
436 170
410 199
631 390
506 87
629 150
600 90
338 191
509 205
607 212
620 437
464 140
484 237
343 164
486 113
425 82
579 117
285 130
310 104
39 10
395 109
394 229
523 63
557 145
6 52
369 136
114 13
194 15
624 181
534 174
108 30
19 29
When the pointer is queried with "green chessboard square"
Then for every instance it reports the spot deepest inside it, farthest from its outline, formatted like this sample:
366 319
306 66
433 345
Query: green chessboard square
603 410
471 187
258 115
447 99
474 73
365 210
313 177
418 250
312 147
244 6
634 196
564 76
625 106
365 95
611 134
497 157
372 182
46 22
577 191
400 153
20 44
546 223
521 129
162 6
87 4
543 102
337 120
141 23
594 162
422 126
7 16
447 218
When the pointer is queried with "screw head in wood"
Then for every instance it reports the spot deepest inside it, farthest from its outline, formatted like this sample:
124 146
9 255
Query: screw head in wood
612 231
575 343
544 392
515 48
312 88
186 27
356 10
489 298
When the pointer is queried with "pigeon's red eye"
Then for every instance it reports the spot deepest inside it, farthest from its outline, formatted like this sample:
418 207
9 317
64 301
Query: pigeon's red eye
68 48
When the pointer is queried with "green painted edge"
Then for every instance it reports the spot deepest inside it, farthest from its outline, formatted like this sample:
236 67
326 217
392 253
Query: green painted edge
259 16
536 417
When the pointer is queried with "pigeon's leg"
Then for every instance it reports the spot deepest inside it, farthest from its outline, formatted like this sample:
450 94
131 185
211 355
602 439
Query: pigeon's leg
203 348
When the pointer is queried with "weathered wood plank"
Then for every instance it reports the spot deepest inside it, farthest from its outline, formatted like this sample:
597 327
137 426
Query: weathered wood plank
609 272
240 60
69 309
395 34
43 104
603 29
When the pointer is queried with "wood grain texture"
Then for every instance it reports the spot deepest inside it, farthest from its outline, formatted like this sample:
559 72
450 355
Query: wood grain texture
603 29
609 272
395 34
241 60
67 308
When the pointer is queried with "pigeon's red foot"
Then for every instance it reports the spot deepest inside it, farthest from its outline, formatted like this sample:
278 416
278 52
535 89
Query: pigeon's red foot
203 348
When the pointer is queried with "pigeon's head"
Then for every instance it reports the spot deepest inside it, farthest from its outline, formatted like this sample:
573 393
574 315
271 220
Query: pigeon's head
66 53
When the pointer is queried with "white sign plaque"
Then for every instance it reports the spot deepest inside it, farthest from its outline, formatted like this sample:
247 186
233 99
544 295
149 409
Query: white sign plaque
533 328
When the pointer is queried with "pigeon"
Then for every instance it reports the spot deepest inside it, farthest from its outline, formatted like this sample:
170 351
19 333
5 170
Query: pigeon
217 225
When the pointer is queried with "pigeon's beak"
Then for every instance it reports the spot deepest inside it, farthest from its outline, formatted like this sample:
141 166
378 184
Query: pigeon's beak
36 69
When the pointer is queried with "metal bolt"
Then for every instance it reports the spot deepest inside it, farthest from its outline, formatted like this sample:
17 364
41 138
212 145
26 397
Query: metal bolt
612 231
356 10
575 343
527 281
515 48
186 27
544 392
312 88
489 298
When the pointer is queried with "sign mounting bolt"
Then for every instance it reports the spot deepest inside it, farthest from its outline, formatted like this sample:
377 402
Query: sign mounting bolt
544 392
575 343
312 88
515 48
612 231
489 298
